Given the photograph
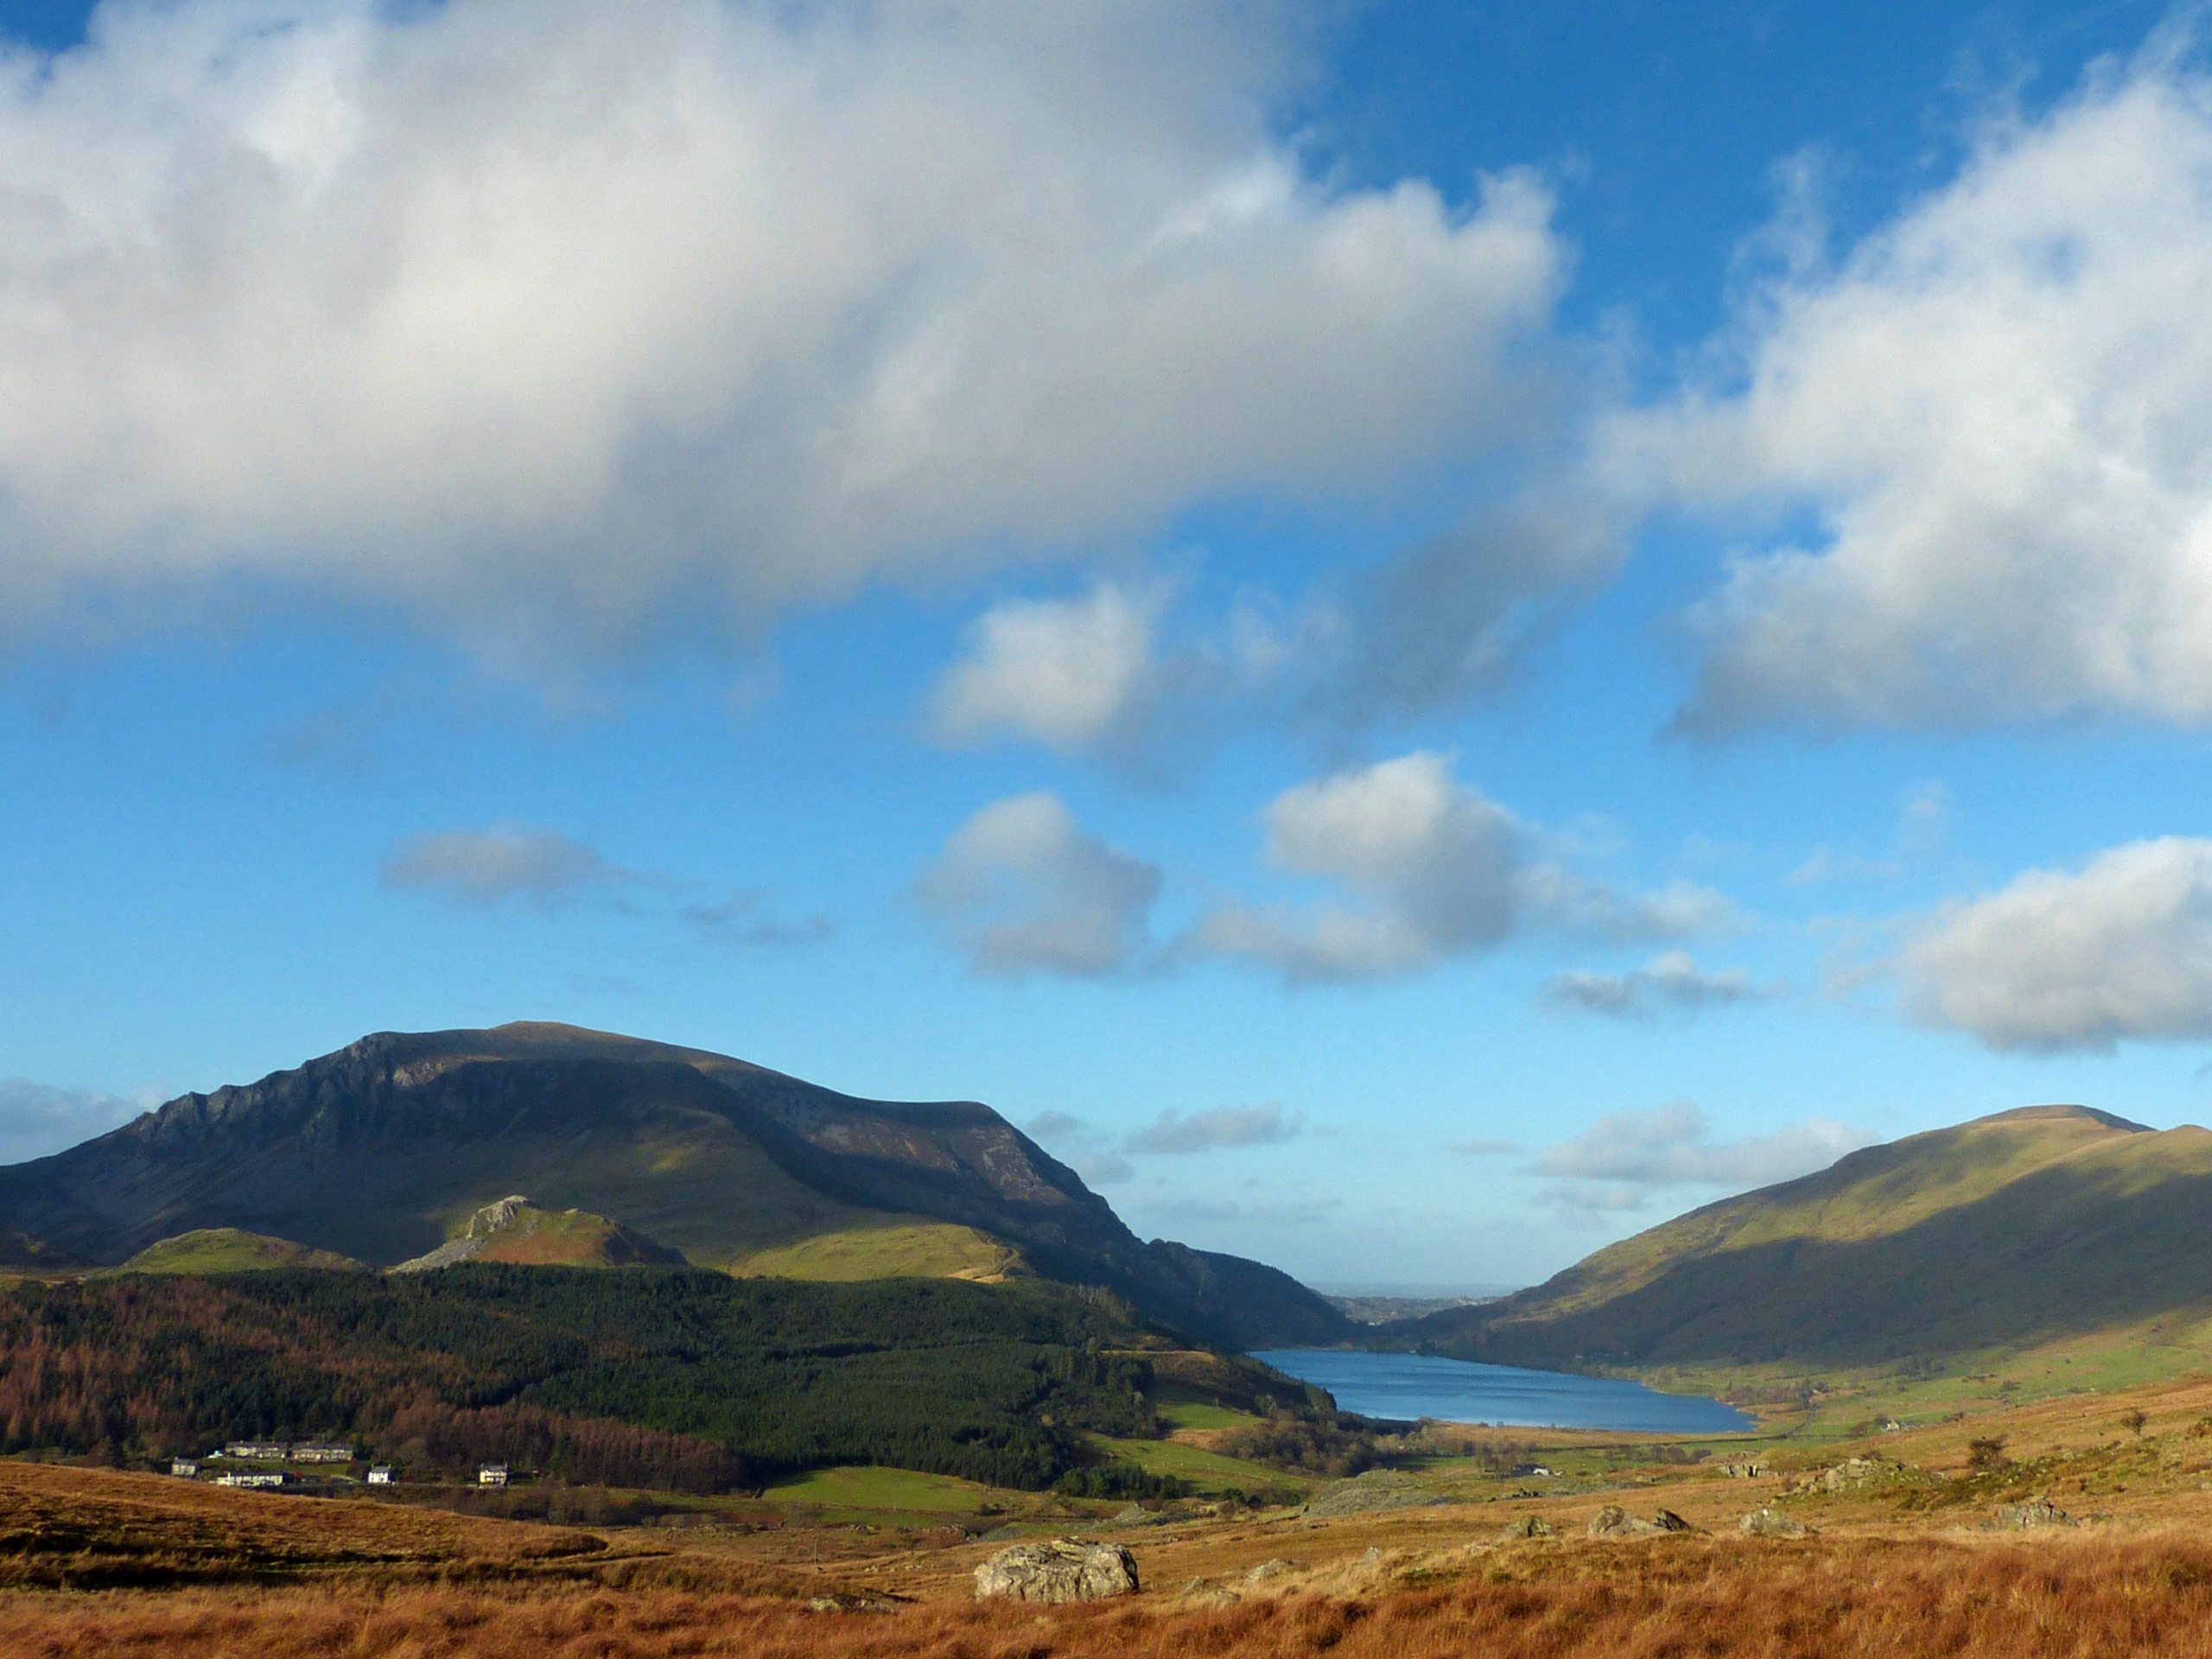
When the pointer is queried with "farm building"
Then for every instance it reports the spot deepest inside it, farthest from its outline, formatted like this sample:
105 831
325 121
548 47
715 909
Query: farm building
188 1468
381 1475
257 1451
492 1474
250 1477
321 1451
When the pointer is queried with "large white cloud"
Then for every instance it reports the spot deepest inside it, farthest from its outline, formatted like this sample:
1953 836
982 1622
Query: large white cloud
1433 869
550 324
2120 948
1981 439
1021 888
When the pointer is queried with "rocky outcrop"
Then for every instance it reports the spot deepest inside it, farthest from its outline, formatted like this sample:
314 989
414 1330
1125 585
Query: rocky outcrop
1059 1570
1377 1490
2029 1513
1614 1521
1852 1474
1528 1526
1771 1522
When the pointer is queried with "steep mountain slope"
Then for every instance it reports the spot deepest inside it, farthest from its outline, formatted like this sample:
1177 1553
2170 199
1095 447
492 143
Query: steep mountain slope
383 1150
2030 1226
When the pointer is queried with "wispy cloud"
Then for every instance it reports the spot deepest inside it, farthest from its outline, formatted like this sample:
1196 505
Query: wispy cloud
506 862
38 1118
1626 1158
1216 1128
1021 889
1671 982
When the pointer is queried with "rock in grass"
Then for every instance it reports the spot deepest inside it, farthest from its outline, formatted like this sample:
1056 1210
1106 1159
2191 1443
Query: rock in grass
1614 1521
1059 1570
1528 1526
2031 1512
1771 1522
1667 1521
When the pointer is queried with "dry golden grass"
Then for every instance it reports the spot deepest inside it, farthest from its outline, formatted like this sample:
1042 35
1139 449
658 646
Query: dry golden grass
93 1562
1667 1599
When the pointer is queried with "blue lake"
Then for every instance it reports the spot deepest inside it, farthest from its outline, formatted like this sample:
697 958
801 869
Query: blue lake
1461 1391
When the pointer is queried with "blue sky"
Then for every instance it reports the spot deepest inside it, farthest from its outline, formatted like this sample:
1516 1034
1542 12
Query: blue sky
1423 634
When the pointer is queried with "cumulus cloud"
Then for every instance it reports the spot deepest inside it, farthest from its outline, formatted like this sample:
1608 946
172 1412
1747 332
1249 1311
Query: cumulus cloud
38 1118
1437 870
1995 415
506 862
1216 1128
2120 948
1671 982
1069 673
1626 1157
556 326
1021 888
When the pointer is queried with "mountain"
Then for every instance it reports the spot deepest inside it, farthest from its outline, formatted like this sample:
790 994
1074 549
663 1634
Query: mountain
384 1150
2030 1226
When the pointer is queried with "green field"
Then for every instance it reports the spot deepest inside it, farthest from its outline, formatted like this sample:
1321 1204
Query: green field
1203 1413
1206 1472
909 1250
847 1492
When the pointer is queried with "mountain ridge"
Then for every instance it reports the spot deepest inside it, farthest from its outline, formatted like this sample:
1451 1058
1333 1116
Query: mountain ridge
2036 1224
715 1158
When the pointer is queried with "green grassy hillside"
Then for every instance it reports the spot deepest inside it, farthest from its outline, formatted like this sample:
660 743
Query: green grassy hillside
2013 1232
895 1249
229 1249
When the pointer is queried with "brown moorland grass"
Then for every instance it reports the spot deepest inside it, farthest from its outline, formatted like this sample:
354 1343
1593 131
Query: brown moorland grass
1972 1598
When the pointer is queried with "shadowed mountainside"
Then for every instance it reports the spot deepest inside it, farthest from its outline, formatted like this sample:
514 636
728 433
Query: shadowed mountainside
384 1150
2029 1226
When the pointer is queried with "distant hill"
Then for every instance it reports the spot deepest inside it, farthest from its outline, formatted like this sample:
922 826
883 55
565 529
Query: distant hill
385 1149
517 1232
230 1249
2030 1226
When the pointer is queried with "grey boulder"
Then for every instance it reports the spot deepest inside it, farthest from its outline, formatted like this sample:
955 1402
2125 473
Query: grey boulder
1059 1570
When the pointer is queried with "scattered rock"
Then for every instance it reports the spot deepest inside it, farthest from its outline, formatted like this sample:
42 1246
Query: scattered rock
1274 1569
1136 1516
851 1605
2037 1512
1061 1569
1850 1474
1614 1521
1772 1523
1528 1526
1748 1469
1667 1521
1378 1489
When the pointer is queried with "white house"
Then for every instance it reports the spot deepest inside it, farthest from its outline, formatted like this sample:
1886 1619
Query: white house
492 1474
250 1477
188 1468
380 1475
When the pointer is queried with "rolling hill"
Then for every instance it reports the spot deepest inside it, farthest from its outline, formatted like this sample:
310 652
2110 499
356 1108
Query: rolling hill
2029 1227
384 1150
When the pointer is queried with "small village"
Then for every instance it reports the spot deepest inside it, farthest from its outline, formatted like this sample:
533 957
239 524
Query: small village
302 1466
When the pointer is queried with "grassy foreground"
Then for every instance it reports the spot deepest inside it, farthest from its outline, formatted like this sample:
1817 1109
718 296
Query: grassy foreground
1911 1555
